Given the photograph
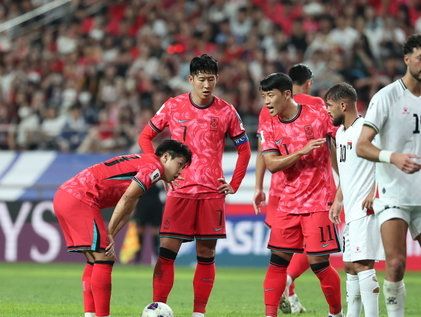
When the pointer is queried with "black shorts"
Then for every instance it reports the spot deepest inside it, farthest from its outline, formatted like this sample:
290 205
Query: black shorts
149 209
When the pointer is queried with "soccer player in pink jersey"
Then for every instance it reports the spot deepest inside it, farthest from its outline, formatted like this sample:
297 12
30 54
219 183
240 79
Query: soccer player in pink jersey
302 79
294 142
195 208
118 182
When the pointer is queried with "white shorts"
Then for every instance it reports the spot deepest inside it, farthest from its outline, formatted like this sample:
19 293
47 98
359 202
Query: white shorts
410 214
362 240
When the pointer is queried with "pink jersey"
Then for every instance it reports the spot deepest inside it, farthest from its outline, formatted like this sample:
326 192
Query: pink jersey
103 184
203 130
277 180
308 184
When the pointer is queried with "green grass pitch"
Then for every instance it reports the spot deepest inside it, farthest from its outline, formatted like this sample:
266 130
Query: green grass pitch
51 290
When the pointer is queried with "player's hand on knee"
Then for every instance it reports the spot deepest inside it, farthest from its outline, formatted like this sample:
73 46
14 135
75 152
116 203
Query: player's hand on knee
110 249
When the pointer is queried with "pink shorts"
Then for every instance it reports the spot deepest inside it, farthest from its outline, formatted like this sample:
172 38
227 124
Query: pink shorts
83 227
187 219
313 233
271 208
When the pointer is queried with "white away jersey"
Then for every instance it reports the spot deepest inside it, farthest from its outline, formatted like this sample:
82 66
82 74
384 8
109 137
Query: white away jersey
356 174
395 113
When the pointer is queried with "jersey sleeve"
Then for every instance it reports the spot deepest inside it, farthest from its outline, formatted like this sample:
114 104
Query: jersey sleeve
263 117
161 118
148 175
236 129
330 128
377 113
267 139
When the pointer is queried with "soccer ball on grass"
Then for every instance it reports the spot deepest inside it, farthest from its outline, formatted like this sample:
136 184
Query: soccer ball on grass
157 309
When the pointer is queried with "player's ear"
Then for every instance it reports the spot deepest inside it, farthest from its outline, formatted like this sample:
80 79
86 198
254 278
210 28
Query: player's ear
165 157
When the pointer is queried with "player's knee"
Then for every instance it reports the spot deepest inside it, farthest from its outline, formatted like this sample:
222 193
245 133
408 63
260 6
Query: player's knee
278 260
318 267
396 265
167 253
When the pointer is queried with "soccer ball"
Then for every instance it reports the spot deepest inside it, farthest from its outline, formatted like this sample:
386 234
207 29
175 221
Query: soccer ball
157 309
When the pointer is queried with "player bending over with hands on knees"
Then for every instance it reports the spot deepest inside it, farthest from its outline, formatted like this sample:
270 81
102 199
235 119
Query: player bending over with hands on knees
118 182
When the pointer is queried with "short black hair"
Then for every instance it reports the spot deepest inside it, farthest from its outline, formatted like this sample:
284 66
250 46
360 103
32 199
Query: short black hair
175 149
204 63
279 81
413 42
342 91
300 73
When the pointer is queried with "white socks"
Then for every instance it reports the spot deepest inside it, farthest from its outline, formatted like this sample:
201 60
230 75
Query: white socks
353 296
198 315
89 314
369 289
394 295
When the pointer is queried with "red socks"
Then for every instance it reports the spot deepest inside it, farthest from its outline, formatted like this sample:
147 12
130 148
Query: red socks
298 265
330 284
204 278
88 299
101 287
163 275
274 284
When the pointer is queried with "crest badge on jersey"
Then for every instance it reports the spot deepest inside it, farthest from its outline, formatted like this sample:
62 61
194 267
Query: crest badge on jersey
308 129
155 176
214 121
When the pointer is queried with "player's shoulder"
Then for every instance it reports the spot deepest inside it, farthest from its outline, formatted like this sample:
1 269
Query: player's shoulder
219 102
312 101
264 114
180 99
390 93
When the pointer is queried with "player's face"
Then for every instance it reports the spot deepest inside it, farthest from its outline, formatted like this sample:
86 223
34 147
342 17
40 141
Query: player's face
334 108
172 166
203 85
275 100
413 62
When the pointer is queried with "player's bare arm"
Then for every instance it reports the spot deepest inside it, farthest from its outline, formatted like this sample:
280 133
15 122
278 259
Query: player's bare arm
259 195
368 201
276 163
336 208
406 162
122 211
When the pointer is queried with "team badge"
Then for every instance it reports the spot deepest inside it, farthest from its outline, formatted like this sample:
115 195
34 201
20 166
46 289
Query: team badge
214 123
308 129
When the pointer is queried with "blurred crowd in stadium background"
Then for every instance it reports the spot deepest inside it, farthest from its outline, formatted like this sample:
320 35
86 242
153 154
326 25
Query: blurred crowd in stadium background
90 81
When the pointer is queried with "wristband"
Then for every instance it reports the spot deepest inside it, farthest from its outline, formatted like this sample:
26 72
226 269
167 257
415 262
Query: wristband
384 156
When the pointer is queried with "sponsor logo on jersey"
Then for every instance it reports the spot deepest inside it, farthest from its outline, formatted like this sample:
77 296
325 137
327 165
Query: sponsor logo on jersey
182 120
